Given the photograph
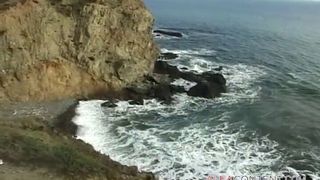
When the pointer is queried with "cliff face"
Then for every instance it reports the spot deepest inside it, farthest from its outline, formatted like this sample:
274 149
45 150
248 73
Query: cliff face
52 49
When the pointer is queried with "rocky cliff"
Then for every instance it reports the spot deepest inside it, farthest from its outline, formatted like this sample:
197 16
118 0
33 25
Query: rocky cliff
52 49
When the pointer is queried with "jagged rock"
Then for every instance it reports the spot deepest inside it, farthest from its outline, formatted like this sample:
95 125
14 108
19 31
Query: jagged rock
73 48
206 90
218 68
168 33
177 89
162 67
209 84
136 102
159 78
163 92
109 104
214 78
168 56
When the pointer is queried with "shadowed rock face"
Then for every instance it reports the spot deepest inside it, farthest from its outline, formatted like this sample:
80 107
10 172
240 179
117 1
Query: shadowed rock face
52 49
209 84
158 85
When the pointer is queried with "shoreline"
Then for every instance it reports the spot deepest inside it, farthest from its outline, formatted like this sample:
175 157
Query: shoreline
35 146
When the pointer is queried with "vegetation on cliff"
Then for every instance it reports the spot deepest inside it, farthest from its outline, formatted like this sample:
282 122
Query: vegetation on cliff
34 143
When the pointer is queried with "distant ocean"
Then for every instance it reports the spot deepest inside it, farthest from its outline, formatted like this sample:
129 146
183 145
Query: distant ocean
268 121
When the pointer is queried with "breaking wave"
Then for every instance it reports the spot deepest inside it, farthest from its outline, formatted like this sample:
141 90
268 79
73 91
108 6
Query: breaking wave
182 141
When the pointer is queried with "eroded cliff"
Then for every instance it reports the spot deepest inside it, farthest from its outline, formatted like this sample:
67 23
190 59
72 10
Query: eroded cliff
52 49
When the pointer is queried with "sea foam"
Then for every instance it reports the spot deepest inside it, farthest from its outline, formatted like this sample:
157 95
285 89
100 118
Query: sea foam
175 141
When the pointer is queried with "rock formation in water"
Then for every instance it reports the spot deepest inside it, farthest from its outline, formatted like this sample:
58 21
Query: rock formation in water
52 49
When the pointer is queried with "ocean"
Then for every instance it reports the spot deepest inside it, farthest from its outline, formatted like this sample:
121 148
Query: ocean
267 123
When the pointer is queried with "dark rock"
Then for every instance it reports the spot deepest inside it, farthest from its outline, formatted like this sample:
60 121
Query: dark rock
162 67
209 84
142 89
218 68
136 102
177 89
163 92
168 33
109 104
184 68
159 78
214 77
206 90
168 56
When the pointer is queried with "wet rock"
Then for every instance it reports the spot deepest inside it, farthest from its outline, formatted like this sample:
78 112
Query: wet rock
168 56
136 102
141 90
218 68
209 84
205 89
109 104
162 67
163 92
214 77
184 68
159 78
168 33
177 89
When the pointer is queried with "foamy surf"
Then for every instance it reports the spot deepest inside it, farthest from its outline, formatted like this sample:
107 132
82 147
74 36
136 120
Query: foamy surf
197 150
199 51
176 141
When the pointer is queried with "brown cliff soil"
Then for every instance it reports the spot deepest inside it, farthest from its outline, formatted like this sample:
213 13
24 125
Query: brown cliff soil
58 49
53 49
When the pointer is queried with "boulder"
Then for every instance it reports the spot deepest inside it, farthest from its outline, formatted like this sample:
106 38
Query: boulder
168 33
109 104
209 84
163 92
177 89
214 78
162 67
136 102
168 56
159 78
206 89
218 68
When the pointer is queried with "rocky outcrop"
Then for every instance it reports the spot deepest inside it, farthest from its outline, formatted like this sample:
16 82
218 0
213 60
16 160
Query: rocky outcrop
160 85
52 49
168 56
168 33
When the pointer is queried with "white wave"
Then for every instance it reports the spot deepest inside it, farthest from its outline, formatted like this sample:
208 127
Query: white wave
145 135
200 51
160 36
241 78
186 84
194 151
1 162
